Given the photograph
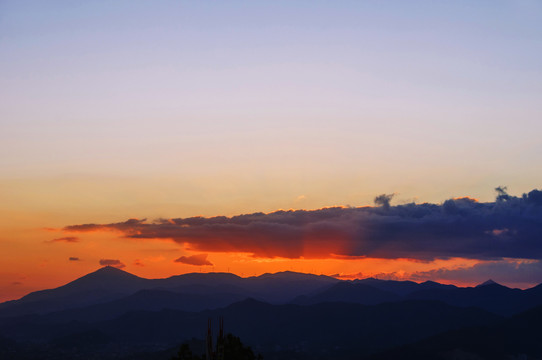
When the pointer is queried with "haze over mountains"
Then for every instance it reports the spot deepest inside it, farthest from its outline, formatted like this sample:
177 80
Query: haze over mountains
113 314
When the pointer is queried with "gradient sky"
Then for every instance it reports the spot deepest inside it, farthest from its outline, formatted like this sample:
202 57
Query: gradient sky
174 109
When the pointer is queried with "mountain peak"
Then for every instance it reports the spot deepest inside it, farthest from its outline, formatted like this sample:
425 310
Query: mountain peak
108 276
109 271
292 275
488 282
102 282
429 283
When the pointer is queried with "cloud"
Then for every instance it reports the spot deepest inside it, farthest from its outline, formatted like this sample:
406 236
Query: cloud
341 276
502 193
383 200
72 258
126 226
15 283
459 227
138 262
199 260
534 197
68 239
112 262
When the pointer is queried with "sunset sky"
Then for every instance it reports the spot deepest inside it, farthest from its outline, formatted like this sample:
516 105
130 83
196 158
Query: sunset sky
136 134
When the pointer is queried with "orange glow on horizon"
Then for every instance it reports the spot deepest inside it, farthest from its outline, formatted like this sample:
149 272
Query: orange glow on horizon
43 257
466 198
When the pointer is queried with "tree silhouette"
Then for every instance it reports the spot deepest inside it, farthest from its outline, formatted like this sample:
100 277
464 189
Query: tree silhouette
185 354
233 350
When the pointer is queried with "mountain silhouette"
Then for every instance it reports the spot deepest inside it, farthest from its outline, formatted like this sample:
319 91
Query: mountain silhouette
149 300
102 285
491 296
321 329
350 292
514 338
112 314
397 287
487 282
109 283
211 290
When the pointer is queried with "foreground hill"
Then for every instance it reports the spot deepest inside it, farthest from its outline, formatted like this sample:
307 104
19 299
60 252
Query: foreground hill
316 331
111 314
515 338
145 300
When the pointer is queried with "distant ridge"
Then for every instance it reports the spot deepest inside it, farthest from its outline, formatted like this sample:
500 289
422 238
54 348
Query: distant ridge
116 290
109 283
351 292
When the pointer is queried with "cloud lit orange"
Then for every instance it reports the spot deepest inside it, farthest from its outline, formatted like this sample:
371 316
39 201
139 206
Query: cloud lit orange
459 227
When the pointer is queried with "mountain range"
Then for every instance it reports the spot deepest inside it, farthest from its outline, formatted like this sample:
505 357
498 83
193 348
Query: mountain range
113 314
206 289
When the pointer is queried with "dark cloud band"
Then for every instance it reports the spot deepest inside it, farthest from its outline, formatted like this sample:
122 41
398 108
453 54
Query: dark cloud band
510 227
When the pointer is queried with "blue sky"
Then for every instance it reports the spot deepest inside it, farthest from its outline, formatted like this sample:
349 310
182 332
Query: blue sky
391 96
112 110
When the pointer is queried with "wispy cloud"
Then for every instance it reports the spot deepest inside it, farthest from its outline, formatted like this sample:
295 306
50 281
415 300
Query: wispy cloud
354 276
112 262
68 239
199 260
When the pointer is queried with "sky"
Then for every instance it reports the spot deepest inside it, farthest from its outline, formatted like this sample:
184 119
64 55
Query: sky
189 114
